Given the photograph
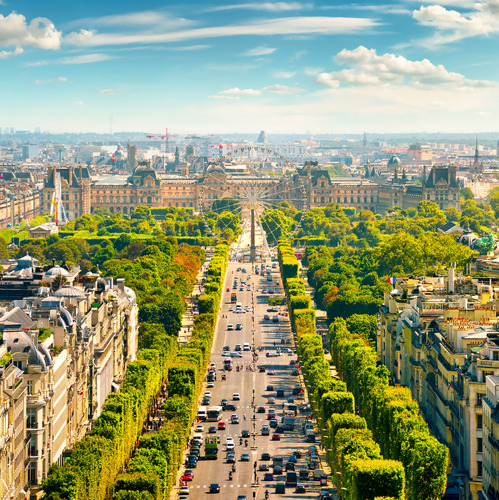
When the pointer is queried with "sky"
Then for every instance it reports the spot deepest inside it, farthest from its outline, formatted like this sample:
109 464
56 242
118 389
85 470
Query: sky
212 67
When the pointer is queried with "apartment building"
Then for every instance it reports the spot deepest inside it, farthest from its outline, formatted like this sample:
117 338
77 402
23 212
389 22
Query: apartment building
442 341
64 352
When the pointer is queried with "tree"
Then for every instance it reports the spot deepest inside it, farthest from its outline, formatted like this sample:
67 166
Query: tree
467 193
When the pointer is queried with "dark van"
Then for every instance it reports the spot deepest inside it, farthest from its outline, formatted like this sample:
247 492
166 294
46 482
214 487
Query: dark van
291 478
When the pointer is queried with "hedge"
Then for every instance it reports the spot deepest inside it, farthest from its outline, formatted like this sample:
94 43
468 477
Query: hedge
372 478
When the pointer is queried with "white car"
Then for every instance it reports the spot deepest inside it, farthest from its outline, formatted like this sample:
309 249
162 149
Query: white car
246 346
199 428
210 385
248 308
229 443
208 393
236 396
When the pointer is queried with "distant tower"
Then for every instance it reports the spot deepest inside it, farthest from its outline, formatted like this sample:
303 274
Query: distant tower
177 157
364 142
262 138
497 148
131 163
477 166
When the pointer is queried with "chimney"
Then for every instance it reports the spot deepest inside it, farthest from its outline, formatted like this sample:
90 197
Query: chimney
452 277
121 284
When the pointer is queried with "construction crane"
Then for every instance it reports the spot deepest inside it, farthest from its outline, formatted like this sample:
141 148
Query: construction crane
166 138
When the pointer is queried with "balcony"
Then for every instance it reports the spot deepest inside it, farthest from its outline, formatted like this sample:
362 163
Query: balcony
454 408
488 363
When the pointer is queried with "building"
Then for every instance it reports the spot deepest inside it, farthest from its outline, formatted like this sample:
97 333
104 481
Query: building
421 154
490 489
75 190
68 350
442 342
131 157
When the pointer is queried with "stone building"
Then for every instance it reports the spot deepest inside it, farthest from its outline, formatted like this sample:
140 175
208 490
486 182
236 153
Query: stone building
443 343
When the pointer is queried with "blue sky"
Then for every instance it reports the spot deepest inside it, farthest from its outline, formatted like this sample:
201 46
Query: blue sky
283 66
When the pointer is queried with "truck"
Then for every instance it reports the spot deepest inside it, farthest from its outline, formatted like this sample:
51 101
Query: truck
233 298
289 423
211 448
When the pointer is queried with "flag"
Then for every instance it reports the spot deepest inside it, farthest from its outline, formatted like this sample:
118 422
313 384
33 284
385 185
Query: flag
391 280
449 386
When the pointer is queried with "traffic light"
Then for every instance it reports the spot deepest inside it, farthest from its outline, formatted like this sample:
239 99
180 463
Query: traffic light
254 464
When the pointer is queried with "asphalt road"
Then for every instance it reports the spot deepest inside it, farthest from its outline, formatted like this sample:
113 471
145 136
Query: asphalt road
260 333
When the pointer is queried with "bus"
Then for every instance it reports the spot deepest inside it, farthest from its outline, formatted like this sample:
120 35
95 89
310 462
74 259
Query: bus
211 448
214 414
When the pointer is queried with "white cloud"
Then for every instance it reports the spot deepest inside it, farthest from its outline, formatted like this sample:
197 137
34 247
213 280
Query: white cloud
312 71
147 18
260 51
61 79
239 92
78 103
381 8
190 47
268 6
284 74
370 69
282 89
39 33
83 59
278 26
7 53
111 91
298 55
451 25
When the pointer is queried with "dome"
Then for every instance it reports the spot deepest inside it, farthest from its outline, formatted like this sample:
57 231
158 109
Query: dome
69 291
394 161
57 271
467 239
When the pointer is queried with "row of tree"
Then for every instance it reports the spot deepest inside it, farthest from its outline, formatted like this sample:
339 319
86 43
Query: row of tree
354 456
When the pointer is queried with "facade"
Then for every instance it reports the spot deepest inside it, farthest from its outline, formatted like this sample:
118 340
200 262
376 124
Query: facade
69 350
442 342
490 489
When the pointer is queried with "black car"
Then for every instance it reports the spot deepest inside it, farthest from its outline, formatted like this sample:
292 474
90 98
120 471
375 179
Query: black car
229 407
265 456
270 388
273 423
261 409
224 402
245 433
290 466
214 488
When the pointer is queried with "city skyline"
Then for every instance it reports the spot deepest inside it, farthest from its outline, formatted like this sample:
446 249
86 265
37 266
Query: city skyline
286 67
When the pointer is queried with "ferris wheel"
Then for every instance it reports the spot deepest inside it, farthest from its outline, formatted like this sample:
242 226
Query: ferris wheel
250 207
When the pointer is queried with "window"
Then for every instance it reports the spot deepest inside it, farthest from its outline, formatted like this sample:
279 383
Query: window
479 447
30 386
32 447
479 420
32 473
479 399
479 469
31 420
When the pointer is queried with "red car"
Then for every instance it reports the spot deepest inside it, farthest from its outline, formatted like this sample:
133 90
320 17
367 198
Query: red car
221 426
188 476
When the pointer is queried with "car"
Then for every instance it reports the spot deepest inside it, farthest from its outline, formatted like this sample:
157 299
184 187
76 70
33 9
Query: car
229 407
246 346
265 457
231 458
238 347
260 409
236 355
221 426
245 457
295 372
290 466
238 269
275 319
234 419
236 396
277 470
293 362
239 326
264 290
243 282
208 393
243 270
234 287
206 400
199 428
230 326
261 369
241 497
183 497
230 446
223 402
212 429
273 423
270 388
269 476
214 488
210 385
226 348
231 309
192 463
248 308
266 317
245 433
300 488
270 372
271 400
263 467
297 453
183 490
241 289
276 437
187 476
